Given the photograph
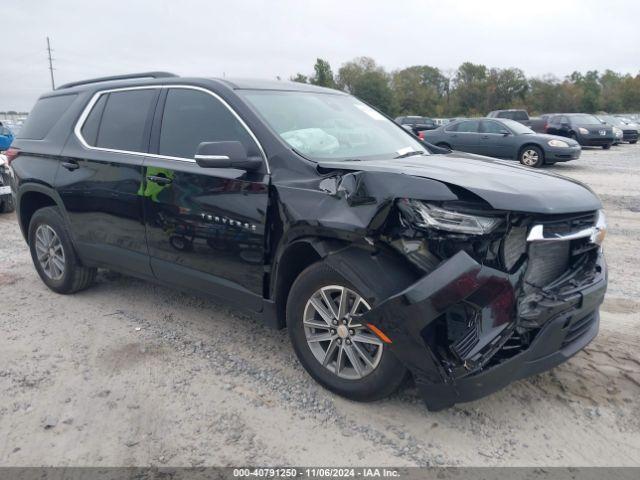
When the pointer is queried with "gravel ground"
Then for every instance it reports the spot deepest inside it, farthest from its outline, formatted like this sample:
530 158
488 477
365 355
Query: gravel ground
129 373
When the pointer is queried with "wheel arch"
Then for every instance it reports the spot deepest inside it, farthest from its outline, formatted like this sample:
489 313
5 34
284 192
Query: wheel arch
377 273
33 197
531 144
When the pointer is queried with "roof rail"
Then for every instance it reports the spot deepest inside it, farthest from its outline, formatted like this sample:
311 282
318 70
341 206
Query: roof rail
118 77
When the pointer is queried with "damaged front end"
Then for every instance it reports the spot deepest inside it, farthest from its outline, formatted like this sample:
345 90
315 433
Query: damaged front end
503 295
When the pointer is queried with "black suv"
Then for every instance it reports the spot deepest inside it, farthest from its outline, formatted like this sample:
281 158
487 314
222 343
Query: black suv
584 128
385 257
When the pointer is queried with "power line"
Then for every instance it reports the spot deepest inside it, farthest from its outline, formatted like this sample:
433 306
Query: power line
53 83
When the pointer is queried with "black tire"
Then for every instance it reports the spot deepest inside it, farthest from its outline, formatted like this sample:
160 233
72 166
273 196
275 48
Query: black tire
75 277
6 205
606 147
633 141
381 382
527 152
444 145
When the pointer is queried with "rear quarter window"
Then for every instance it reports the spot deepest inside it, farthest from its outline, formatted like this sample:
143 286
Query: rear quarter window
44 115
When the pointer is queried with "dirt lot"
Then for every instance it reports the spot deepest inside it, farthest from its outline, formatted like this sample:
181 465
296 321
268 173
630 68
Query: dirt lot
129 373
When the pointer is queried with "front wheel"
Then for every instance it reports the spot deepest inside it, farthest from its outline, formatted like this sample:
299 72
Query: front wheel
606 147
531 156
332 343
633 142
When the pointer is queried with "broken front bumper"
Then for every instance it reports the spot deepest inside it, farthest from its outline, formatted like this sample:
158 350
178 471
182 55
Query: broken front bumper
567 320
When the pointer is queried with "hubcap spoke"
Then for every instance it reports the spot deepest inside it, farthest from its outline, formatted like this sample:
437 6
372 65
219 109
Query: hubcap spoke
362 337
353 358
330 303
326 316
328 354
319 337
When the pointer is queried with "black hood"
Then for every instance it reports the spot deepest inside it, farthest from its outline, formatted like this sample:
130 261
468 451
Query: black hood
504 186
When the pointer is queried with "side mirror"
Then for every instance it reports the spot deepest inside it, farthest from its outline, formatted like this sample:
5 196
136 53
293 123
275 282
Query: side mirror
505 133
225 155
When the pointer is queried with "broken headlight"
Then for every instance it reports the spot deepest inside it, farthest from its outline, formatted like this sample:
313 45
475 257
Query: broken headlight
425 215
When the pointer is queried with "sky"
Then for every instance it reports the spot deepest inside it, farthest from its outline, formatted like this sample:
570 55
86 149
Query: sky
278 38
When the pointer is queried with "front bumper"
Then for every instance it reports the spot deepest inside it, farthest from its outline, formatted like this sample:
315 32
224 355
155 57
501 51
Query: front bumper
595 140
556 154
568 317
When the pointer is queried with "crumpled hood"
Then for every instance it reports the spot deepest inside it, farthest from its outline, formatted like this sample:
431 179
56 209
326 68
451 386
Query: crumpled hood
503 185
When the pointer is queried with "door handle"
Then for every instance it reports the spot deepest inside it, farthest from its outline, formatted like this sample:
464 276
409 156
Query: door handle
485 137
159 180
70 166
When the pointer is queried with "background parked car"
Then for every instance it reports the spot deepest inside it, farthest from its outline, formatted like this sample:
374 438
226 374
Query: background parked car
6 137
503 138
585 128
416 124
537 124
6 199
629 131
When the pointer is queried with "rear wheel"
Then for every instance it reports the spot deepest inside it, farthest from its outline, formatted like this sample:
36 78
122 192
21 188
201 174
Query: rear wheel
531 156
606 147
53 254
633 141
331 342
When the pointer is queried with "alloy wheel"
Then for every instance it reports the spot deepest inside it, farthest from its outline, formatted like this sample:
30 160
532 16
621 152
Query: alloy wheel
50 252
335 335
530 157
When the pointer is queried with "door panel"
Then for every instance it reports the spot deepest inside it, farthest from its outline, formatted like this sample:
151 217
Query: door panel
494 143
205 228
101 187
105 209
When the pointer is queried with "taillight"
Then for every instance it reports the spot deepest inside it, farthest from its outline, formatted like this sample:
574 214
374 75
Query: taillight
11 154
421 135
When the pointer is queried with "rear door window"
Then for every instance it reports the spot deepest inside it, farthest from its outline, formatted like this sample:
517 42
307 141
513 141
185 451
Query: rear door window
44 115
124 120
470 126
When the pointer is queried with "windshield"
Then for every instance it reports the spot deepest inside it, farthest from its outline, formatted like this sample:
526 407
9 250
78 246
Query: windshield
516 127
327 126
585 119
611 120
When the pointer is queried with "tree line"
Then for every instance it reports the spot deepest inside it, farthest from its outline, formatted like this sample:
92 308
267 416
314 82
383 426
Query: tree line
475 90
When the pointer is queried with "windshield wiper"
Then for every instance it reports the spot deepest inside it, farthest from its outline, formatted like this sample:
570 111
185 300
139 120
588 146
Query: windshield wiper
410 154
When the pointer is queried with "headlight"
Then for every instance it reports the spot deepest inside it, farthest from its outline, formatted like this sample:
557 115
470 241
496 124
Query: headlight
557 143
601 229
583 131
424 215
617 132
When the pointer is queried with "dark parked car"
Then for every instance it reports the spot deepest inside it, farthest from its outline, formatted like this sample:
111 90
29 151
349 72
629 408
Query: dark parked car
311 208
584 128
502 138
6 196
417 124
629 130
537 124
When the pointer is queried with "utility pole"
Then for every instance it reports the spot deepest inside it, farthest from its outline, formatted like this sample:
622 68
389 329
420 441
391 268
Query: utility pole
53 83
